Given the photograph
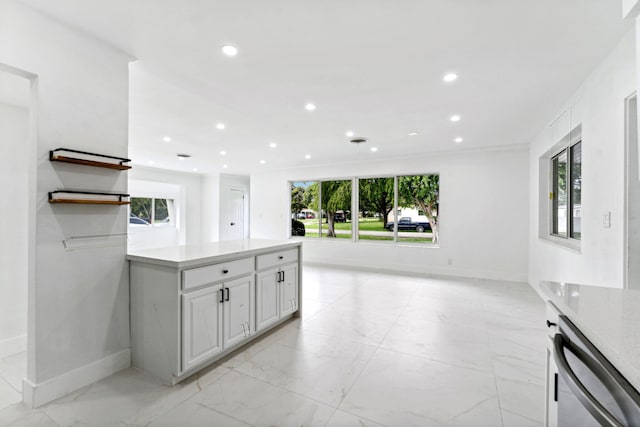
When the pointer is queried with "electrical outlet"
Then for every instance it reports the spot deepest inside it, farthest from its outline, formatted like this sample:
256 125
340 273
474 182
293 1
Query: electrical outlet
606 220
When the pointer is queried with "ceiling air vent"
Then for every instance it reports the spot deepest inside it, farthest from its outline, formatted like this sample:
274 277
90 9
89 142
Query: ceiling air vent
358 140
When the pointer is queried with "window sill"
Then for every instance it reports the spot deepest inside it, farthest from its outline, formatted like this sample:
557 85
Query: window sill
572 245
368 242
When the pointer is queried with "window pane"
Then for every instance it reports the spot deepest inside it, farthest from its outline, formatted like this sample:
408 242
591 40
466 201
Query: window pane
418 193
376 204
559 165
304 209
140 214
162 211
576 190
336 209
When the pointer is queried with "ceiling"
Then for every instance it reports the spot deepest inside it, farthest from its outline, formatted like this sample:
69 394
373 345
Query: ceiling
371 66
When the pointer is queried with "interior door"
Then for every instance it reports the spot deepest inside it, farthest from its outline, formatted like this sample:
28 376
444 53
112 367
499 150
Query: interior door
235 215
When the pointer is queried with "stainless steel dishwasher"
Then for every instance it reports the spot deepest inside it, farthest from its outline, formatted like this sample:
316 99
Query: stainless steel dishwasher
589 390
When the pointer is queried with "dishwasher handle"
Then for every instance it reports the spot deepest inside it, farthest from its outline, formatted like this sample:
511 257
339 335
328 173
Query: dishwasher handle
595 408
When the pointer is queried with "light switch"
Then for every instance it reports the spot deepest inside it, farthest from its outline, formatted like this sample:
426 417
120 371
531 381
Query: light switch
606 220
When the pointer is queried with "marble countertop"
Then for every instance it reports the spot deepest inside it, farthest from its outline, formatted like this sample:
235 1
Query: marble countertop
193 255
609 318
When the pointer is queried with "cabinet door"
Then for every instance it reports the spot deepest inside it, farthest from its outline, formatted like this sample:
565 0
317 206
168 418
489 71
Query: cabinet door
239 320
289 290
268 299
201 325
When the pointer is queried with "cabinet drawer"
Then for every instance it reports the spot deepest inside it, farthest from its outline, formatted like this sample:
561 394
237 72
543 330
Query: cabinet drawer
276 258
214 273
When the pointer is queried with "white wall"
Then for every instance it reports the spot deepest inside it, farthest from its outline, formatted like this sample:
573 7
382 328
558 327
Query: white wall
191 218
483 215
78 300
211 208
14 122
599 106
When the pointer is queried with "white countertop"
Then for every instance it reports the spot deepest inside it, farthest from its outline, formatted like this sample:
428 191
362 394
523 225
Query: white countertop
192 255
609 318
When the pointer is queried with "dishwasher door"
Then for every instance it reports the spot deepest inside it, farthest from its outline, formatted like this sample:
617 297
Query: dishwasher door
590 391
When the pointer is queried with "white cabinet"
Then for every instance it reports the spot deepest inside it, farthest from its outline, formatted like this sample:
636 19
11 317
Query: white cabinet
216 318
277 293
267 298
289 290
193 305
201 325
239 297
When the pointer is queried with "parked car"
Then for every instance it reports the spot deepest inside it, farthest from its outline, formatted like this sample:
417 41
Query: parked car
406 224
339 217
137 220
297 228
301 215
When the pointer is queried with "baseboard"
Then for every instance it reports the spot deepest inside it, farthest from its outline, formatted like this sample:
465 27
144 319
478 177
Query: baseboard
428 270
35 395
13 345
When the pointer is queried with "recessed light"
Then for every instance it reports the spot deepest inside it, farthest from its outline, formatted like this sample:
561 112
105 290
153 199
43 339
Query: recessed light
455 118
413 133
262 162
307 156
349 133
374 149
224 166
310 107
450 77
151 162
195 169
220 126
458 140
223 153
230 50
181 158
273 145
167 139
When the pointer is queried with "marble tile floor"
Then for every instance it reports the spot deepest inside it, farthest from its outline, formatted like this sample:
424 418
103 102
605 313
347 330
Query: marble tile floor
371 349
12 369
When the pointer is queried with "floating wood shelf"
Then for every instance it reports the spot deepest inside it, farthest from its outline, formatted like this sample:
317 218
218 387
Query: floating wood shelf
118 164
75 196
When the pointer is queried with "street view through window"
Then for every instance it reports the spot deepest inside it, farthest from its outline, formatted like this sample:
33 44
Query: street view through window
394 209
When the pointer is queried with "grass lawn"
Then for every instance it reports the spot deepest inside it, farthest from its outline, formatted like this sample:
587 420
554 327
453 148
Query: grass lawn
365 237
365 224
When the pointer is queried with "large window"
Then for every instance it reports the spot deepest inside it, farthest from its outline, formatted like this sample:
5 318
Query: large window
146 211
566 192
400 209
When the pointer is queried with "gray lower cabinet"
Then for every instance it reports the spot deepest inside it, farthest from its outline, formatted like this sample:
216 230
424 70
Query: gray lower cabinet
216 318
277 294
184 317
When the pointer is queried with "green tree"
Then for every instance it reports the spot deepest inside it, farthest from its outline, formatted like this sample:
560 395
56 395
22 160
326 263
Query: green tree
310 198
376 194
336 196
297 199
421 191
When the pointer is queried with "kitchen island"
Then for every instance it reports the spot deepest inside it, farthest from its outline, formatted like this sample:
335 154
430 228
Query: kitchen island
192 305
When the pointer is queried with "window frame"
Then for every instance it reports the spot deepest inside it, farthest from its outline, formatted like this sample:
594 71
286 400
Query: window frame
567 150
355 208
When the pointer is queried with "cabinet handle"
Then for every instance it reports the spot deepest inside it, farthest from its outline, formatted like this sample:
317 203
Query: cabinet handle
283 276
550 324
228 292
225 271
221 295
280 257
